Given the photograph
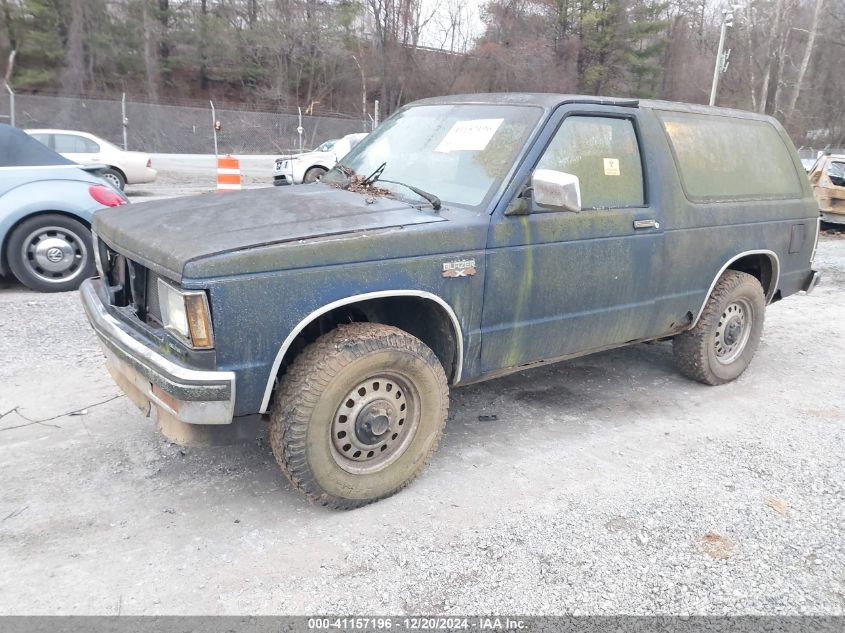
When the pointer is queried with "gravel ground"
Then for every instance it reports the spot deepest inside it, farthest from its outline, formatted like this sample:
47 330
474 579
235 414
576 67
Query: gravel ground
606 485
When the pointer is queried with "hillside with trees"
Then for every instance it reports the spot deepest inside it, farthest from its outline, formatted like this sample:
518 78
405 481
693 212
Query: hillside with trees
342 55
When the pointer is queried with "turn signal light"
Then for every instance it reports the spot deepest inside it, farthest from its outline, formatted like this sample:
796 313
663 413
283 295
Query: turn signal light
106 196
197 313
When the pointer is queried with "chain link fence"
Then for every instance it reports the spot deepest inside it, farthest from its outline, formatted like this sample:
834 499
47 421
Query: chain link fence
178 129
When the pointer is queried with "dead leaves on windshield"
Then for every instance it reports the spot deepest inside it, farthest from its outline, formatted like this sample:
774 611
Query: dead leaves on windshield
356 184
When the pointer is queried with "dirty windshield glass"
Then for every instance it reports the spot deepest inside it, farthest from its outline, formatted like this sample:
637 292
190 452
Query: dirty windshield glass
455 152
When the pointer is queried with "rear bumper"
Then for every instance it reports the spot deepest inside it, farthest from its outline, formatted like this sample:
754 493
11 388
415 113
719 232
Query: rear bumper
812 281
148 175
150 379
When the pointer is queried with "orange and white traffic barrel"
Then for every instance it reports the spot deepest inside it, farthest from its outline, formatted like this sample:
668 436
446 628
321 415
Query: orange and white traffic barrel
228 173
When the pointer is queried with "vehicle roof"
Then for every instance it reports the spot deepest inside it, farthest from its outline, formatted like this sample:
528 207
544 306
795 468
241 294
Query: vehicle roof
549 100
55 131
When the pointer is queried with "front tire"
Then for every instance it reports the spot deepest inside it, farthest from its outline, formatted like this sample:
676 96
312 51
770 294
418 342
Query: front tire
51 253
721 345
313 175
359 414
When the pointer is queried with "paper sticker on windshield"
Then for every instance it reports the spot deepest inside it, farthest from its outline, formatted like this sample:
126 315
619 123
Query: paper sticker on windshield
470 136
611 166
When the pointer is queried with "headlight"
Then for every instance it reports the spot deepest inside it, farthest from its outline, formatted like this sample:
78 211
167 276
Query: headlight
185 313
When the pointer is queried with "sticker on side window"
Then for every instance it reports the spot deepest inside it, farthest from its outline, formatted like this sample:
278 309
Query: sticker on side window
611 166
471 135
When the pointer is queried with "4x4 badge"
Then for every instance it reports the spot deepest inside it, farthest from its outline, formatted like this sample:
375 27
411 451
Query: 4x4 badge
460 268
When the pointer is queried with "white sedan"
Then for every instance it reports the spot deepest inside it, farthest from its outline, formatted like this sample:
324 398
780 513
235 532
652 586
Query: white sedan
310 166
122 167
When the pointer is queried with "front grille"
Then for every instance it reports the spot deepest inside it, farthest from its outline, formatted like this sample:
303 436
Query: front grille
153 308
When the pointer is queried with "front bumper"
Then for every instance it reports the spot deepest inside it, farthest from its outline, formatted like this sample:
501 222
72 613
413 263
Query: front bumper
150 379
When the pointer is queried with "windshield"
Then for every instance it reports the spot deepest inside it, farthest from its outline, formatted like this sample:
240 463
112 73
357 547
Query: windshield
325 147
456 152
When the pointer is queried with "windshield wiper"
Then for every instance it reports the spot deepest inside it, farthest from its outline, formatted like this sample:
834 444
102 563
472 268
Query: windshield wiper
376 177
434 200
345 170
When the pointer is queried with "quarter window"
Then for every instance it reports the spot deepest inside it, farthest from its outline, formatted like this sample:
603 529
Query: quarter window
727 158
604 154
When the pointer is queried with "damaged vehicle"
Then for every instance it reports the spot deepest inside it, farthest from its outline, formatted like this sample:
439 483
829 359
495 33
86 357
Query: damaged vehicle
466 238
828 179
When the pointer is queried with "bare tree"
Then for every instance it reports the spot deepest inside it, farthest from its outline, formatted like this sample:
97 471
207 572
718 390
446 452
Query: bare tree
805 61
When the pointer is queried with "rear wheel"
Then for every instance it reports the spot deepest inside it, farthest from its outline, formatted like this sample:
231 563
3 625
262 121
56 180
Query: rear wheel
359 414
51 253
722 343
114 178
314 174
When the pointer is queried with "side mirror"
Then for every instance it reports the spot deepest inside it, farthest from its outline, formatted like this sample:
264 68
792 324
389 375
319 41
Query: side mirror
556 189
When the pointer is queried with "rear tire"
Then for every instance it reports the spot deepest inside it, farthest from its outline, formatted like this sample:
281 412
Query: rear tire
359 414
314 174
721 345
51 253
114 178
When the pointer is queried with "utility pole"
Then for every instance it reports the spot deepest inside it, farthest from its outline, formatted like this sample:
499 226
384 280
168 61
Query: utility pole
124 120
721 56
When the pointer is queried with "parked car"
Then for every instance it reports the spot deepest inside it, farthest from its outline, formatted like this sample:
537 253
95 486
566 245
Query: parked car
828 179
311 166
466 238
121 167
47 203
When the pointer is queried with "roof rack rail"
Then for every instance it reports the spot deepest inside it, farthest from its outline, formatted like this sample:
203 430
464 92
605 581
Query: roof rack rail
623 103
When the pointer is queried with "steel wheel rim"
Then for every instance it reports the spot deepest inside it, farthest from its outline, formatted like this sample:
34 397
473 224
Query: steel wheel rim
54 254
375 423
113 180
733 331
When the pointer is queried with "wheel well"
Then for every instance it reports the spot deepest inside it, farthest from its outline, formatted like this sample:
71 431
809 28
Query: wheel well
4 251
759 265
420 317
118 170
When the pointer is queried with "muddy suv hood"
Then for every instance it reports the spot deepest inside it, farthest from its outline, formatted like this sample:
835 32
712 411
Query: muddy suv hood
166 234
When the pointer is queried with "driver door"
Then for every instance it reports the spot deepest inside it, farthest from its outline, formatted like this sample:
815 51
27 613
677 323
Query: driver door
560 282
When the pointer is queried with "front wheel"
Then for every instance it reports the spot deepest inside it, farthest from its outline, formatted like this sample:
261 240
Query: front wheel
51 253
721 345
314 174
359 414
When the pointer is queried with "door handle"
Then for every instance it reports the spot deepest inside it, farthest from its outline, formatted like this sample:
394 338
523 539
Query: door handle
646 224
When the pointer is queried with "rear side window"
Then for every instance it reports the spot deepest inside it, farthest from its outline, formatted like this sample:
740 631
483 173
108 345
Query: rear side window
603 153
44 139
69 144
724 158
